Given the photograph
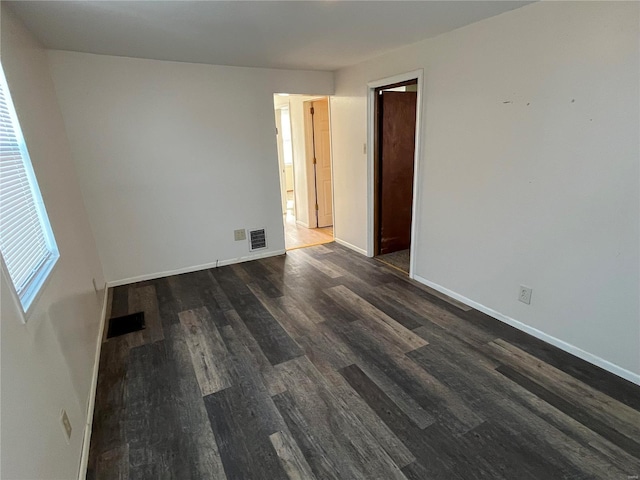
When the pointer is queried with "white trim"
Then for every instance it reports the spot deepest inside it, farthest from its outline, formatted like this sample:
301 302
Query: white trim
195 268
371 86
556 342
91 402
333 195
302 224
280 152
351 246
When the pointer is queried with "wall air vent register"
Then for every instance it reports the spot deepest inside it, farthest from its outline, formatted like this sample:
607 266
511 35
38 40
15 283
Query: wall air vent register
257 239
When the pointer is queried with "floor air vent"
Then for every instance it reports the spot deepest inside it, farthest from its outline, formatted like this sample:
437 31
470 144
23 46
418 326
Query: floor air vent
125 324
257 239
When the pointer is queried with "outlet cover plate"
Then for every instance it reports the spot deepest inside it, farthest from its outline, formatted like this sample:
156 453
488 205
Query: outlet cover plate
525 294
240 234
66 425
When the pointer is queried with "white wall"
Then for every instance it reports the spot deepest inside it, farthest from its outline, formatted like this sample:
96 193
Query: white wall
172 157
529 169
348 137
47 363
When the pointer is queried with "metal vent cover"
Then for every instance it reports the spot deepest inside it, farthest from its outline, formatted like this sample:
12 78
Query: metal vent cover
126 324
257 239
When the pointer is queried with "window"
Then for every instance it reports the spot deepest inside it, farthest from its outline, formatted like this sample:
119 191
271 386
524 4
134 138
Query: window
27 245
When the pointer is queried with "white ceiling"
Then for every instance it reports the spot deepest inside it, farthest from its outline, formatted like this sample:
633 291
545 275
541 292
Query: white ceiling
316 35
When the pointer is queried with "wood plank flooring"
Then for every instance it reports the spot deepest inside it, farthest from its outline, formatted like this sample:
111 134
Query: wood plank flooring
296 236
324 364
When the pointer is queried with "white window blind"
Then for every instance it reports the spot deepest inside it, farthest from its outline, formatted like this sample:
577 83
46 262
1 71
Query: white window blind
26 241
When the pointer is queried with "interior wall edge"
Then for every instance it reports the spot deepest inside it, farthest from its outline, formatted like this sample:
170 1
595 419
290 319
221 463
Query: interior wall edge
539 334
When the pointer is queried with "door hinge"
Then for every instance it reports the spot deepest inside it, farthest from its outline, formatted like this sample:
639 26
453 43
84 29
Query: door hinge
312 111
276 130
317 207
315 161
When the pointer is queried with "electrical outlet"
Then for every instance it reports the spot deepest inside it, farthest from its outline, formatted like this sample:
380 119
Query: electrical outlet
240 234
66 424
525 294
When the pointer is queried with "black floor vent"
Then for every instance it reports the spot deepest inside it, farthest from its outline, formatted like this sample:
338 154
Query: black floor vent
125 324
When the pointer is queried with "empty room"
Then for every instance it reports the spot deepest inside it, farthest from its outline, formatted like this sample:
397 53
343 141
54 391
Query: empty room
247 240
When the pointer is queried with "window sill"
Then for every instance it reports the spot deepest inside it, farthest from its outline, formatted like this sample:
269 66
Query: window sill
28 299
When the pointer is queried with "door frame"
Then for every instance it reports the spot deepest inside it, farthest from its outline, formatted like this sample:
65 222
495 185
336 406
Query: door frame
371 157
280 148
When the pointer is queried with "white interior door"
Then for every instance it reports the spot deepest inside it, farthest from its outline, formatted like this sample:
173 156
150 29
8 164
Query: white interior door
322 147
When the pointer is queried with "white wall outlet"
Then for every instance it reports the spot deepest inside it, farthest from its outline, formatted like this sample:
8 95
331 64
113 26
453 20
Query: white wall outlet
66 425
240 234
525 294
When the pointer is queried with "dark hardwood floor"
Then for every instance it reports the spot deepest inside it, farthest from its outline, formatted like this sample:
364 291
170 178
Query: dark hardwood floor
323 364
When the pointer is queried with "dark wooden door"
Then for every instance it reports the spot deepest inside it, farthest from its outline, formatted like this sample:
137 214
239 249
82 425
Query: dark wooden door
397 127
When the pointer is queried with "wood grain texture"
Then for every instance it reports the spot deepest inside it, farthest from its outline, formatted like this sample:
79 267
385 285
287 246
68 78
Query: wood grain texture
274 341
243 417
350 445
197 442
270 379
110 396
612 419
297 236
314 450
383 435
143 299
325 364
525 415
209 355
327 268
376 320
418 415
113 463
290 456
438 315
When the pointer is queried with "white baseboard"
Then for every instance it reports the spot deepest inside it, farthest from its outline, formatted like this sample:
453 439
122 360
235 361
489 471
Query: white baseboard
351 246
195 268
91 402
556 342
302 224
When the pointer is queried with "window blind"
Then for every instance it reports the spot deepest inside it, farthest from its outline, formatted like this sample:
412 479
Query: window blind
26 243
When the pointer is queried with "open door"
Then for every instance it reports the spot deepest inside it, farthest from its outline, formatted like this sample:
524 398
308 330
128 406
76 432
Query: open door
319 153
394 172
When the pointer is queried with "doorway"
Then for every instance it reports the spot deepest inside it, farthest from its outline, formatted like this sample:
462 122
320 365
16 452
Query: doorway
304 156
395 108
